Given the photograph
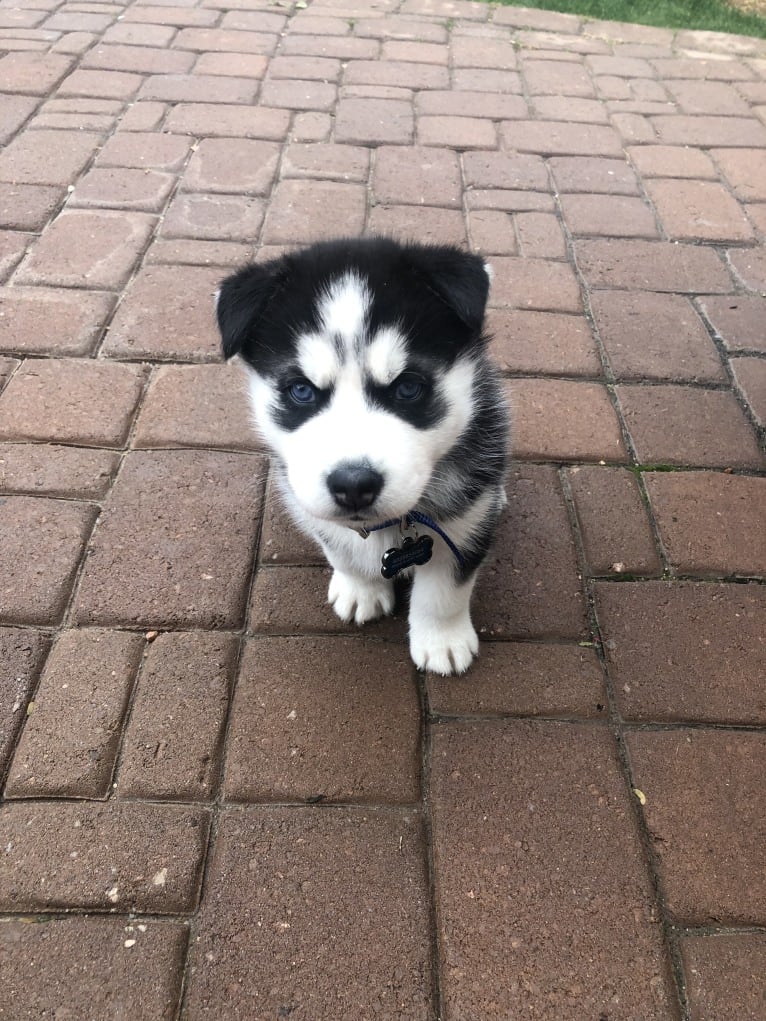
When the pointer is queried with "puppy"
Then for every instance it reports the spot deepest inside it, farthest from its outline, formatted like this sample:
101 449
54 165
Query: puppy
370 382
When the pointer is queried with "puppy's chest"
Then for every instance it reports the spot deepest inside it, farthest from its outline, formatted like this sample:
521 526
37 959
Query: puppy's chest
363 555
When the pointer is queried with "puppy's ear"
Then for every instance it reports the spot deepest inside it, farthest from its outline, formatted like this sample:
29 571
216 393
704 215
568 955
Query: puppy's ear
461 280
241 302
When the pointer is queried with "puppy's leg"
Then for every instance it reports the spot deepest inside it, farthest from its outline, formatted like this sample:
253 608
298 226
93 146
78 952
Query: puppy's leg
357 591
360 599
442 637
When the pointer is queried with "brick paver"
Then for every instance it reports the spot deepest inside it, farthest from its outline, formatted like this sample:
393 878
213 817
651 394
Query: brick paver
655 336
103 856
688 426
543 342
685 650
322 894
27 206
71 400
525 679
172 742
519 934
155 316
532 589
145 190
40 554
88 249
216 799
750 375
616 532
736 320
560 420
46 157
195 406
48 469
721 971
712 524
23 653
70 741
52 321
696 783
143 961
197 512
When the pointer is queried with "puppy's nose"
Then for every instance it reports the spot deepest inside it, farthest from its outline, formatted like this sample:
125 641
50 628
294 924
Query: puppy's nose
354 486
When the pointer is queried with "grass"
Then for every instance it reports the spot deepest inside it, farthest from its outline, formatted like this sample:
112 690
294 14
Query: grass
707 15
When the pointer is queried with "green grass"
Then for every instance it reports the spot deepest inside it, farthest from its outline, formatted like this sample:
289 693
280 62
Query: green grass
708 15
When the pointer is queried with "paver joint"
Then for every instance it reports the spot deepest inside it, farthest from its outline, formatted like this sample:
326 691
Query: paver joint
216 800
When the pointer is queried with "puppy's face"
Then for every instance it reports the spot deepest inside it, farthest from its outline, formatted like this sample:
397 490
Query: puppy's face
361 368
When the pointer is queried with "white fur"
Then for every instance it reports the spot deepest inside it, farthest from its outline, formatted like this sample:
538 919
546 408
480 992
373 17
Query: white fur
386 356
344 306
319 360
442 637
351 430
360 599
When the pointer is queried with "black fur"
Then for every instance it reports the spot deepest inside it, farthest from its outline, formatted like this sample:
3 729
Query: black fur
437 293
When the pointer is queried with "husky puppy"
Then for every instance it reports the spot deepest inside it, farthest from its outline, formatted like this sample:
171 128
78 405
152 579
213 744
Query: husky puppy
370 382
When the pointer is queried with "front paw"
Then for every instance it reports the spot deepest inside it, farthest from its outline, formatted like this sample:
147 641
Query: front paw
443 647
359 599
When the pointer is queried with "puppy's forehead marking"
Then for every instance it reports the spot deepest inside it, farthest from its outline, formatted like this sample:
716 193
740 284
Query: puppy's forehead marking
344 307
319 359
386 355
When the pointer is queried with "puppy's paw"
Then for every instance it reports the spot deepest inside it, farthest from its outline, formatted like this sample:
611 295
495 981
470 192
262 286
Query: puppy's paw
443 647
359 599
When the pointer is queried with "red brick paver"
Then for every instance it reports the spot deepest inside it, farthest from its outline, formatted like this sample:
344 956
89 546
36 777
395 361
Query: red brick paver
70 742
198 512
723 974
144 962
509 799
90 854
322 894
177 718
216 799
291 692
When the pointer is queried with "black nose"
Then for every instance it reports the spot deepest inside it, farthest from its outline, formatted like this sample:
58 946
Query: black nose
354 486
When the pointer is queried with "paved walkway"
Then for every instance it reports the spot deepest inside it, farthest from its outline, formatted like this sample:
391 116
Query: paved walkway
219 803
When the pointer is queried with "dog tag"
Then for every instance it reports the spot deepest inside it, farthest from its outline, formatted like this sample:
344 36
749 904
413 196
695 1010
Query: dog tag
411 553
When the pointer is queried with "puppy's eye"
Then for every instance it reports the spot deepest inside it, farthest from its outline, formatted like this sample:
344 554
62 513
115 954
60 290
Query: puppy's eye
301 392
408 387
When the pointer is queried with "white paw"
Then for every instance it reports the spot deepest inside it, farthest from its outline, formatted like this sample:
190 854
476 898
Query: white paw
359 599
443 647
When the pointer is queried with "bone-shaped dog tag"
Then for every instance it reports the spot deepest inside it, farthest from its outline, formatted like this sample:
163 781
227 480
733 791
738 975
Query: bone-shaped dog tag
411 553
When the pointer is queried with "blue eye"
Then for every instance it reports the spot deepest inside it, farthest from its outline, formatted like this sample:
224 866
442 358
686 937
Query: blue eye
302 392
408 388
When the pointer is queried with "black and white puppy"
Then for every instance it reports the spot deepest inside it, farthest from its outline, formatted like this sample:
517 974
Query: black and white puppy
370 381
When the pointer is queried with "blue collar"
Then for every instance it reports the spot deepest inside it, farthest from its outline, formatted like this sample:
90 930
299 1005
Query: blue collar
406 521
